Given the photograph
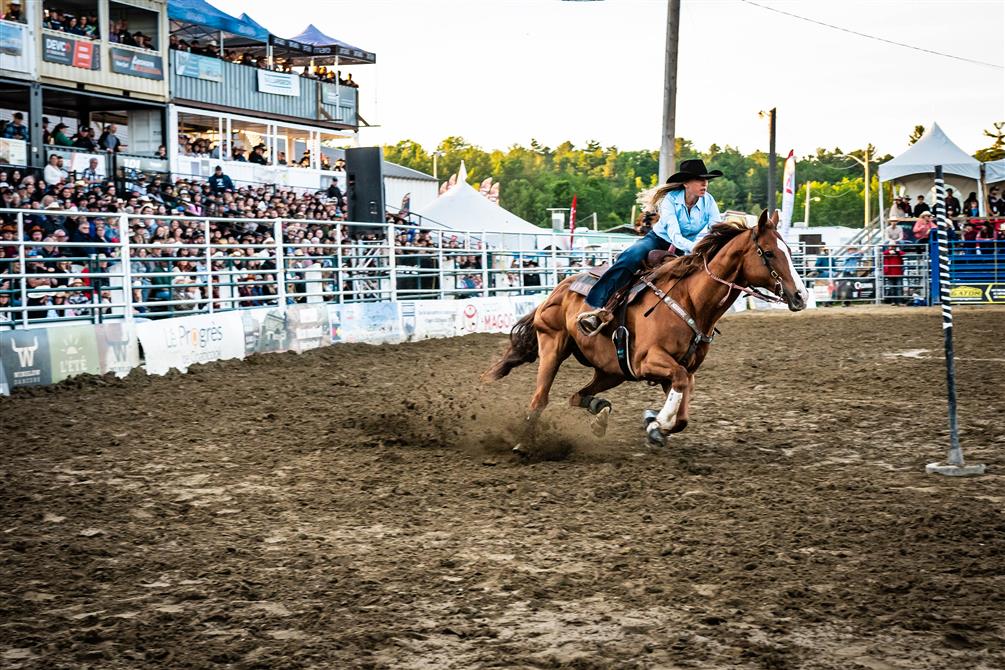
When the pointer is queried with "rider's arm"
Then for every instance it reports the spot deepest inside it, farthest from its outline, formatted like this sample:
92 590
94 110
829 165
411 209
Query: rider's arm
670 227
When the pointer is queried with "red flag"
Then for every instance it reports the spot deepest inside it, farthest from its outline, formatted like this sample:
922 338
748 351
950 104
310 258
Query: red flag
572 220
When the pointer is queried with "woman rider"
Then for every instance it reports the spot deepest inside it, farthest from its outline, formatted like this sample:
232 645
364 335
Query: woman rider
686 211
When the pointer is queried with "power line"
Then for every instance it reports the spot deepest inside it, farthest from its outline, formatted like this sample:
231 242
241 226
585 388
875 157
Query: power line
873 37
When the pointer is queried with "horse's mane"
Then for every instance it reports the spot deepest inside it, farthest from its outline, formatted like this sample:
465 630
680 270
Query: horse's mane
718 236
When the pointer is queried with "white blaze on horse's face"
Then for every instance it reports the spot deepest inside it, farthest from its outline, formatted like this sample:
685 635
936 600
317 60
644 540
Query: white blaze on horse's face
800 287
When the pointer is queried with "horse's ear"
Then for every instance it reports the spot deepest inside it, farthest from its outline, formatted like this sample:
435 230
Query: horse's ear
762 222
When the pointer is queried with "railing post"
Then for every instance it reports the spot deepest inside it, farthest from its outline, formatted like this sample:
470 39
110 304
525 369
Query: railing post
126 257
877 263
439 265
338 263
277 236
485 266
24 269
392 261
554 261
209 265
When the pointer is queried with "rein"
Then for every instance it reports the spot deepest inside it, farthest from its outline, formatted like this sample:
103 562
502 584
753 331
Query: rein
752 292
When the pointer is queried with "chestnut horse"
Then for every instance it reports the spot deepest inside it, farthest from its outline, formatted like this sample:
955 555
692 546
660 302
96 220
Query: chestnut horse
665 348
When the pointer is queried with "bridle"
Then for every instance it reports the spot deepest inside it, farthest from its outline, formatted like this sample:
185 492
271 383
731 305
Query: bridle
775 296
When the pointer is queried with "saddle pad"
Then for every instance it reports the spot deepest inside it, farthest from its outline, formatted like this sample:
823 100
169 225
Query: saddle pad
586 280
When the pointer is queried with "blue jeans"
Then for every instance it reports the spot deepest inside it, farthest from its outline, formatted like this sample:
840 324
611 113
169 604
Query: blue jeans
621 272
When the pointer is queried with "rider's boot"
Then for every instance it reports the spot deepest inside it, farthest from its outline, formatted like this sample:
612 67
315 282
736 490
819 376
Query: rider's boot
591 323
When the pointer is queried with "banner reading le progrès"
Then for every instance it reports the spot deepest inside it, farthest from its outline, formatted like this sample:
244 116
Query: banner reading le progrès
184 341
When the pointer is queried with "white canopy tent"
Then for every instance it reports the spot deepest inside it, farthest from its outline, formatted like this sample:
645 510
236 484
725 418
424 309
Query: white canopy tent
464 209
994 172
914 170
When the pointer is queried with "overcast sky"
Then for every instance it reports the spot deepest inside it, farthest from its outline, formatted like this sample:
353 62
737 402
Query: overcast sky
500 72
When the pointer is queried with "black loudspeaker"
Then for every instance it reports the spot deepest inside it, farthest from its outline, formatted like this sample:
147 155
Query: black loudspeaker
364 169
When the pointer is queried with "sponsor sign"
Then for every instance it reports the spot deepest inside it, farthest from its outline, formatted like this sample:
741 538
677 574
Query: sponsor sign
12 39
73 350
307 327
199 67
13 152
485 315
525 304
14 47
76 53
435 318
373 322
279 83
977 293
298 328
137 63
25 355
329 94
118 348
179 343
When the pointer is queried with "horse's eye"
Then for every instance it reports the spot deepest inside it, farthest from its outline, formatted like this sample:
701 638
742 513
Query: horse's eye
769 254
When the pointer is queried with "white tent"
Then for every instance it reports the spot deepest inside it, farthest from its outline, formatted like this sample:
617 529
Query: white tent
914 170
994 171
464 209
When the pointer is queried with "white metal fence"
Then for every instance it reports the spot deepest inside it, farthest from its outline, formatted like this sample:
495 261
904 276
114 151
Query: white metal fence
95 267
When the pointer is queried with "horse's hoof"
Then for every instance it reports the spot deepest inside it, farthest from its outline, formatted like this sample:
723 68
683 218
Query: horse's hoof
648 416
655 437
599 422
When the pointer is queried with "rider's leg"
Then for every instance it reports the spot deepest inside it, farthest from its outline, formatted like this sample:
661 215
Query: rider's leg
628 262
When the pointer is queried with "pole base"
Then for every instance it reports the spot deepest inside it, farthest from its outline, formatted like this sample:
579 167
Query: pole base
955 470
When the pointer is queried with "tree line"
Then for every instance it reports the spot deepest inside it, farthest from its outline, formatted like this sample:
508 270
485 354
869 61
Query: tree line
606 180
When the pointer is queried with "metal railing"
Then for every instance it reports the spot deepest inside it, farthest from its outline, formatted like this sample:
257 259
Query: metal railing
93 267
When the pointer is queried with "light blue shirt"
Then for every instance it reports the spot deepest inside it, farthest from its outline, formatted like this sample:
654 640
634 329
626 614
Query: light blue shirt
683 227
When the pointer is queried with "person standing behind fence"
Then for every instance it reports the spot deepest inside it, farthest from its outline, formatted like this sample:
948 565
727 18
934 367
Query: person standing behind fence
220 182
893 273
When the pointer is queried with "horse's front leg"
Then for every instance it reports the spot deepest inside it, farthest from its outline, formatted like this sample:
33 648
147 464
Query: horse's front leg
660 424
685 405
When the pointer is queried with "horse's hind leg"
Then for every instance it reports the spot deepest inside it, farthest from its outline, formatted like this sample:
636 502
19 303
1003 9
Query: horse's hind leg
553 349
598 407
685 405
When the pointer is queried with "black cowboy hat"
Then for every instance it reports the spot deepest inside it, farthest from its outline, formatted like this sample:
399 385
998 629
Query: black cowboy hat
693 169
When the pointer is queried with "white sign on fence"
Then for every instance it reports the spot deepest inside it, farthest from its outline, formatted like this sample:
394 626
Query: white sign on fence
279 83
485 315
184 341
435 318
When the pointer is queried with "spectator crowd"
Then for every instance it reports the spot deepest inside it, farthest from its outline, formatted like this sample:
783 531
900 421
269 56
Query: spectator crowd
168 257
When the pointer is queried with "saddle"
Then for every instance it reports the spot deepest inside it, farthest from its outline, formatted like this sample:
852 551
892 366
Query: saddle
586 280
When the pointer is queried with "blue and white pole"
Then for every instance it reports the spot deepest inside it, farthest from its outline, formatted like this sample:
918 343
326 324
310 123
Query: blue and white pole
954 465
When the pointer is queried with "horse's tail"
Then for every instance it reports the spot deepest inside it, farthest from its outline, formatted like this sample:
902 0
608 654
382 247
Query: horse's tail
522 349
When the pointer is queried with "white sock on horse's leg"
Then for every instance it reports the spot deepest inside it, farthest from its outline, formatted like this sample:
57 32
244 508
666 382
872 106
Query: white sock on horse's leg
668 415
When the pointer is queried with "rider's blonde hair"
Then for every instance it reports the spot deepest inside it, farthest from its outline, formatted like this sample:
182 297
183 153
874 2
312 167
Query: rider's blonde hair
650 199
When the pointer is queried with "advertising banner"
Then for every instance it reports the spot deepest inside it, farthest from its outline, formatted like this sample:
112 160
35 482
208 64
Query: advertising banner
308 327
25 355
14 47
13 152
137 64
788 192
181 342
76 53
485 315
188 64
264 331
279 83
73 350
977 293
525 304
118 348
373 322
435 318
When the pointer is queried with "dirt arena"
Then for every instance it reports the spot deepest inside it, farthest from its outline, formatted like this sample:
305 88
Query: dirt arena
358 507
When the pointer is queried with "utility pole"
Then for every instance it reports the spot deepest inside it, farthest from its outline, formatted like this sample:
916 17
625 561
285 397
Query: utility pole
806 215
865 163
772 159
667 158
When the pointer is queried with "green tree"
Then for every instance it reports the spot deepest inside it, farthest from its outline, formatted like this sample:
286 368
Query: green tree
916 134
997 149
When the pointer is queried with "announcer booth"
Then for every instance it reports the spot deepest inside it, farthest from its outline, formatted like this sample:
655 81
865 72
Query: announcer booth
236 90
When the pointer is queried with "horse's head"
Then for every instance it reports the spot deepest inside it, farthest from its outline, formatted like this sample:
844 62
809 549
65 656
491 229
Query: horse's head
768 264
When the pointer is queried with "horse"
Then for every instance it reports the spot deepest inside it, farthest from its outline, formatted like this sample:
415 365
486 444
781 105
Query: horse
672 325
